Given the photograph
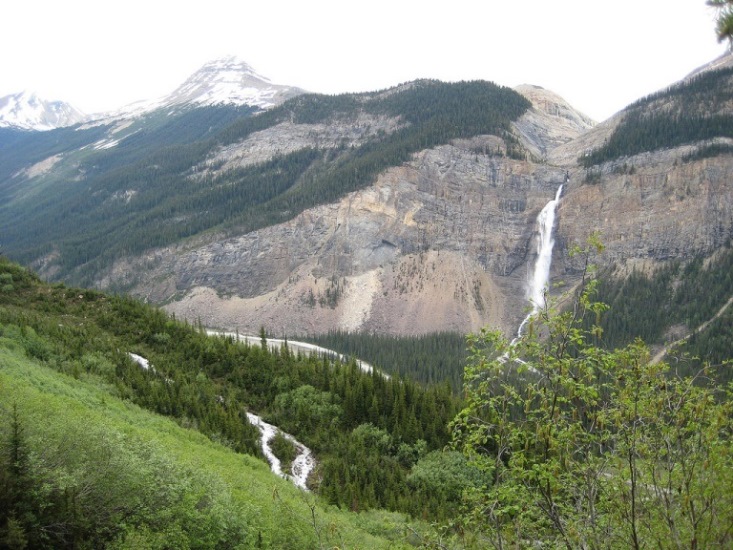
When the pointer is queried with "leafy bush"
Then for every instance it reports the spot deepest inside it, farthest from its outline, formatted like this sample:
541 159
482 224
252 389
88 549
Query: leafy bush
593 448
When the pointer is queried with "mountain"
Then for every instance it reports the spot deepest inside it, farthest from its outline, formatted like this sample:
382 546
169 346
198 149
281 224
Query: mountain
27 111
406 210
224 81
230 80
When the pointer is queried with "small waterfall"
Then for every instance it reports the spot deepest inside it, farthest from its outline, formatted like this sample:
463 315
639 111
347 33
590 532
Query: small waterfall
303 463
541 276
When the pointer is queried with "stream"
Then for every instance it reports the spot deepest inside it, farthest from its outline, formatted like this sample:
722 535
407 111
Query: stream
303 463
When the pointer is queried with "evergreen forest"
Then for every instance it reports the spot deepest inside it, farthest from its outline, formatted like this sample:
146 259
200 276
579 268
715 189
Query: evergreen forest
673 301
690 112
427 358
560 439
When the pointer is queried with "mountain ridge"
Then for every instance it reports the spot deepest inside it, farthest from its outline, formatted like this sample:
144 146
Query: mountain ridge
27 111
226 80
443 233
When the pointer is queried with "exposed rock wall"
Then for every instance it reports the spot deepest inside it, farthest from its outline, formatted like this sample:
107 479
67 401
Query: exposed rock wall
445 241
433 245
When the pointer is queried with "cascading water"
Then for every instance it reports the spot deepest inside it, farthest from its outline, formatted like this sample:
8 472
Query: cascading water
541 275
303 463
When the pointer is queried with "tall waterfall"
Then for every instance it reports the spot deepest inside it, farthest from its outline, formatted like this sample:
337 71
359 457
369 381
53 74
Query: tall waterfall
541 275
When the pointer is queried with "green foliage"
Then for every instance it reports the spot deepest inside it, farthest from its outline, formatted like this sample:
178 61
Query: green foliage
80 468
678 295
208 384
592 448
284 450
441 478
307 410
427 359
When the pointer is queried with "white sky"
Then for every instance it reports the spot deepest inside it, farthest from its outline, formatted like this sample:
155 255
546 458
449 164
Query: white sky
600 56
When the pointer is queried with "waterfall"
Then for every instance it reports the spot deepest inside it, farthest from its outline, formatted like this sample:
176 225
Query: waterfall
541 275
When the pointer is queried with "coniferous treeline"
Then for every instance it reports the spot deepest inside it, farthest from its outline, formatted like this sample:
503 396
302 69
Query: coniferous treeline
680 294
139 195
682 114
209 383
640 132
429 358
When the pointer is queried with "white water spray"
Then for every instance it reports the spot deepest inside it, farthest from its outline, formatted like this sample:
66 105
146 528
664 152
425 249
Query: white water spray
303 463
541 276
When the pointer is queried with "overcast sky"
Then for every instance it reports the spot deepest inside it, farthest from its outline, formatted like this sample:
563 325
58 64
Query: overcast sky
600 56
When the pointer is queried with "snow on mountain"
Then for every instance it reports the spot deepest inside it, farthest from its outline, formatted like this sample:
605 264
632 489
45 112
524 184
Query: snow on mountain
27 111
230 80
224 81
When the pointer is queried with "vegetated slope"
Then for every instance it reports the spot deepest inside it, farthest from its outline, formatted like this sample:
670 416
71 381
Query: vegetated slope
82 467
368 432
694 110
655 182
124 205
670 303
21 149
52 182
594 448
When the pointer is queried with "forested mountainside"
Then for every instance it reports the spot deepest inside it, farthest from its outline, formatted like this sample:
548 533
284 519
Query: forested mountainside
683 305
700 109
144 191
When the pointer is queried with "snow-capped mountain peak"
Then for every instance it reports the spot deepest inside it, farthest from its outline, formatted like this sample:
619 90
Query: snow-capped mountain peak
227 80
230 80
27 111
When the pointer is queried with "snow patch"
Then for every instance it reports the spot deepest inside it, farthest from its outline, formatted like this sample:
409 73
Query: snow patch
106 144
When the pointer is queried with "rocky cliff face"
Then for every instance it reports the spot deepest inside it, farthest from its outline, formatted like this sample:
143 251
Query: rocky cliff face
654 207
445 241
436 244
672 203
433 245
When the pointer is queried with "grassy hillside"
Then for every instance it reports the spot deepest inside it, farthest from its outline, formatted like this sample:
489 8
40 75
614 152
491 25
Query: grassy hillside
82 468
